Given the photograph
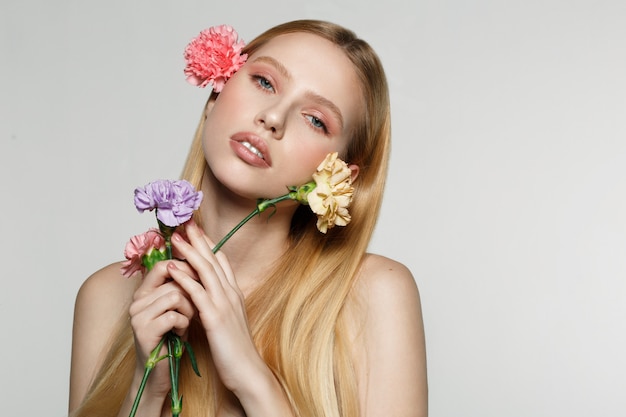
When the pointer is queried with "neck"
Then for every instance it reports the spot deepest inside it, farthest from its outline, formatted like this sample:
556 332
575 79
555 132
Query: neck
254 248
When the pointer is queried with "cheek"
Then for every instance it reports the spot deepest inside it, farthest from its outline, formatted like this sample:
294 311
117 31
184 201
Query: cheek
306 157
229 101
223 107
314 150
226 114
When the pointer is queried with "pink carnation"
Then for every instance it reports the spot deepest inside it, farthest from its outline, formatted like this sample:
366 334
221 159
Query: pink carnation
137 247
213 57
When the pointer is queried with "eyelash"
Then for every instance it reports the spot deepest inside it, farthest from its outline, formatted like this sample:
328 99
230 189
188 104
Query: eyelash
317 123
262 82
265 85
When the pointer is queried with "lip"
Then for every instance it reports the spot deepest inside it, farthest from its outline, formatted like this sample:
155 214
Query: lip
236 143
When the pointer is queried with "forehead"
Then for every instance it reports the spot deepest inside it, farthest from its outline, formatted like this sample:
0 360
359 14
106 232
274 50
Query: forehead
318 65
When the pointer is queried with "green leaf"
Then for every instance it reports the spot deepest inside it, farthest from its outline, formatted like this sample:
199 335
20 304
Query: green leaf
192 358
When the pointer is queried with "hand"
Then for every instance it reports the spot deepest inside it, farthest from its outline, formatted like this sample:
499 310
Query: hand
220 303
159 305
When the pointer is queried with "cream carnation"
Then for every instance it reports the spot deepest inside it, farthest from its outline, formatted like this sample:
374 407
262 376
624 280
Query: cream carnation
333 193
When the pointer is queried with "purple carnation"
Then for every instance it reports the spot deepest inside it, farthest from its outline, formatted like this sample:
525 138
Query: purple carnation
174 201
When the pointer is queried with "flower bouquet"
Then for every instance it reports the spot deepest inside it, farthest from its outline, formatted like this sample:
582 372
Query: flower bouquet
174 203
328 194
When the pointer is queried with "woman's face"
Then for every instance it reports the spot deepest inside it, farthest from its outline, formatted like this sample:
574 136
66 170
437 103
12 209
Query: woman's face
295 100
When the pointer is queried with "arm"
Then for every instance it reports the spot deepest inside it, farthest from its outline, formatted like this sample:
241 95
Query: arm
221 309
154 304
391 353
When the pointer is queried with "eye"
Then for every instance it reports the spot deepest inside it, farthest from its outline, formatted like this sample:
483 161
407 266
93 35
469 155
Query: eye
263 83
317 123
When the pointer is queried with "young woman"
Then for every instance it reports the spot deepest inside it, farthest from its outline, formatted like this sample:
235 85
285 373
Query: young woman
284 320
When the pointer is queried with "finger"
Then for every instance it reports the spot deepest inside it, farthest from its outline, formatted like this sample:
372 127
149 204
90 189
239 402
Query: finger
197 292
169 320
206 265
211 306
198 239
170 296
149 330
156 277
169 310
228 270
205 245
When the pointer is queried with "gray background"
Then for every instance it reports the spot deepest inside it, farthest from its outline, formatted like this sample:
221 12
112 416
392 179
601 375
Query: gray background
506 196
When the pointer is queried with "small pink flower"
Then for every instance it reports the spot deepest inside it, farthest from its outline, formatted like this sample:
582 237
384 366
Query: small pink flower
138 247
213 57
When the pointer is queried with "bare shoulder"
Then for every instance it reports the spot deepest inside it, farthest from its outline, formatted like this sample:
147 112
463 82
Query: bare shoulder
388 296
383 280
389 345
106 287
102 301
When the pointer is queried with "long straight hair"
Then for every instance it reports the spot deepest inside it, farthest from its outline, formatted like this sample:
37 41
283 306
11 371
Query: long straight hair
296 316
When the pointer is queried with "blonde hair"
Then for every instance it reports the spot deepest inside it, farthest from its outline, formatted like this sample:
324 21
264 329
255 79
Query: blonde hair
300 330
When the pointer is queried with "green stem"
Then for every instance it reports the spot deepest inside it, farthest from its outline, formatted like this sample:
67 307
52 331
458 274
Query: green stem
167 232
149 366
174 361
232 232
168 249
261 207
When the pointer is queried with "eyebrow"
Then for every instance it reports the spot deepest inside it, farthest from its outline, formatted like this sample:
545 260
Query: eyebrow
323 101
276 64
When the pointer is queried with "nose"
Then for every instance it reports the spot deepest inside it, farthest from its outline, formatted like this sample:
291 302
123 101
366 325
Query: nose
272 118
